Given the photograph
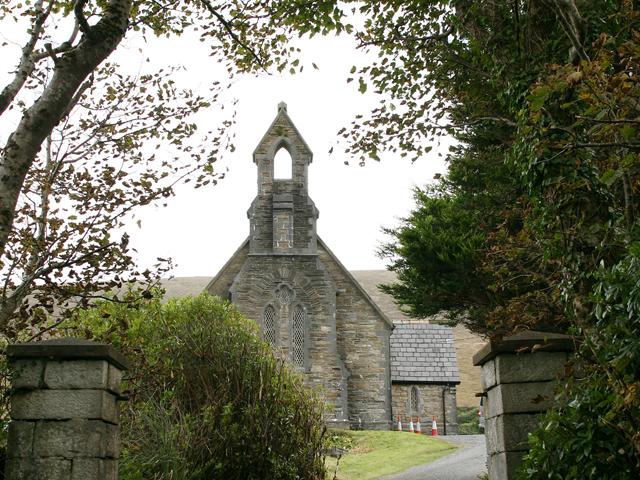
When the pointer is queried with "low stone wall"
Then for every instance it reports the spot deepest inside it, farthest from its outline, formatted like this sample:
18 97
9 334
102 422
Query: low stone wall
518 378
64 412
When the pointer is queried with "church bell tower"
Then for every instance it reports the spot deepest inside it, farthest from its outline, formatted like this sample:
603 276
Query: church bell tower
282 216
307 306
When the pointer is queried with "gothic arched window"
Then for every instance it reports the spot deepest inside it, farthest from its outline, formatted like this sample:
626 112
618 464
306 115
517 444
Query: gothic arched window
298 336
269 325
414 401
282 165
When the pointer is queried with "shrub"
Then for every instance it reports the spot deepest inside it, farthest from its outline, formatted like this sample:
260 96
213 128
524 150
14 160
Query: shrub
340 440
208 399
594 433
468 421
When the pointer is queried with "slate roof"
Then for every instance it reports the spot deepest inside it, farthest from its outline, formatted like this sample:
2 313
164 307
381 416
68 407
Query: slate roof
423 353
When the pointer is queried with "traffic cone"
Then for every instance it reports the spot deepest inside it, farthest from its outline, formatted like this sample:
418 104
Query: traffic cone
434 428
418 427
411 424
399 424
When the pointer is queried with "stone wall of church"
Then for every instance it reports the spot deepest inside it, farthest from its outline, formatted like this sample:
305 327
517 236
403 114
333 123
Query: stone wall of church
222 284
437 401
363 343
285 276
261 282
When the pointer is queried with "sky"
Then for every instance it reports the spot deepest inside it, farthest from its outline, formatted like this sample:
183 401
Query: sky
200 229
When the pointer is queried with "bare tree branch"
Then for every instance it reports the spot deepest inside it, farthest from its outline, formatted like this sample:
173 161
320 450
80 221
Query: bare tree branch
49 49
63 47
630 145
569 17
613 121
227 26
37 122
76 98
78 10
26 64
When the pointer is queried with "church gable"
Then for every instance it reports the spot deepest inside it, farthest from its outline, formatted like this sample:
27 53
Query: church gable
282 134
220 285
306 303
338 270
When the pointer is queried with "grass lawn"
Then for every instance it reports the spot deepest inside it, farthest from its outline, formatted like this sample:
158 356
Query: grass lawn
373 454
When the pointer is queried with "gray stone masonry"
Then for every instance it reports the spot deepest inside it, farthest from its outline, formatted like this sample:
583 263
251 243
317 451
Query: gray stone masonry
306 303
434 401
64 411
518 374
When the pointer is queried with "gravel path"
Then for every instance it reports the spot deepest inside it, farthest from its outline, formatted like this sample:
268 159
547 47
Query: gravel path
466 463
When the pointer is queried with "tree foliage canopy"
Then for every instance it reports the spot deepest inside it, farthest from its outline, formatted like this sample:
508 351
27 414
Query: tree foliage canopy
535 225
88 142
545 170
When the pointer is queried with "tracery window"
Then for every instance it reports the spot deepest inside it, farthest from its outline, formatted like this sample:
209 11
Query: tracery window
414 401
269 325
284 294
297 336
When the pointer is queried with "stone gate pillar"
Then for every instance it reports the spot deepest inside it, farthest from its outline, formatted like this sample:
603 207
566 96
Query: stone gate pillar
64 412
518 374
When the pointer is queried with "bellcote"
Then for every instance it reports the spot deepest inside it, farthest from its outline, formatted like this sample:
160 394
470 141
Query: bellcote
282 216
282 134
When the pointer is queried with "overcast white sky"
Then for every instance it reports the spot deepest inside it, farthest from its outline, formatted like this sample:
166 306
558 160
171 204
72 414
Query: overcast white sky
200 229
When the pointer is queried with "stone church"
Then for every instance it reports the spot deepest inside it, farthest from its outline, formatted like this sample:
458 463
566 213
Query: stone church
308 306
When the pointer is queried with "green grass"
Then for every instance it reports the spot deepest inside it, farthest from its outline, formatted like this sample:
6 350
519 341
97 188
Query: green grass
377 453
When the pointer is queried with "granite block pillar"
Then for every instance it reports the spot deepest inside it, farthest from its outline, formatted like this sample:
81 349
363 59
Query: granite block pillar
518 374
64 412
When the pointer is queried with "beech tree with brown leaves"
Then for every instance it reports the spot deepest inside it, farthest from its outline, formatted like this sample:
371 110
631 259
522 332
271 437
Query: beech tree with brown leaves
90 143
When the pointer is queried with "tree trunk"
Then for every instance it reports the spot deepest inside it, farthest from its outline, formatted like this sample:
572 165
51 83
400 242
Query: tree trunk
70 71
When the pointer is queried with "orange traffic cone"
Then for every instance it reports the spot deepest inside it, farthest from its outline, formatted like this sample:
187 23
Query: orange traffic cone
411 424
434 428
399 424
418 428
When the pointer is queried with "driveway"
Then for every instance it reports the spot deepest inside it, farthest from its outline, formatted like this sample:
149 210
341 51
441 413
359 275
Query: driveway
466 463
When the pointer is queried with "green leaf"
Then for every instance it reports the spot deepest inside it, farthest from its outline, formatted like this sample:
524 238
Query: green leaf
628 132
610 176
363 86
538 97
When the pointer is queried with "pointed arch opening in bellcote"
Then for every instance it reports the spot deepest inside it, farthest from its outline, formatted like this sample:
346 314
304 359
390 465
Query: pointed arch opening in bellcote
282 164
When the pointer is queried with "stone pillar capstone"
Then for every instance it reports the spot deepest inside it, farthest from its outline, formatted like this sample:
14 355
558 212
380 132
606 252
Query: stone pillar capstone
64 412
518 378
